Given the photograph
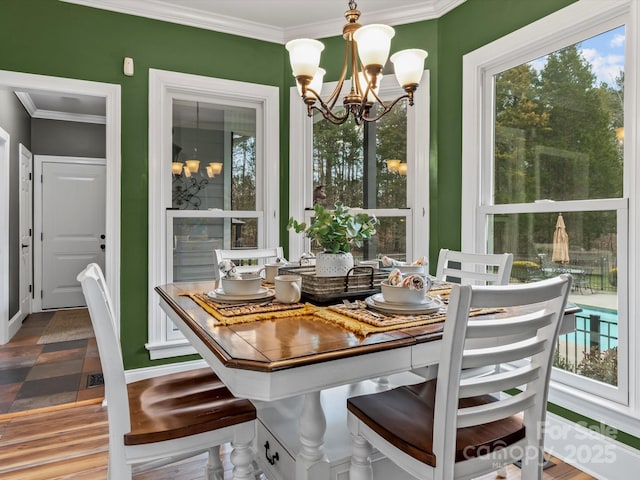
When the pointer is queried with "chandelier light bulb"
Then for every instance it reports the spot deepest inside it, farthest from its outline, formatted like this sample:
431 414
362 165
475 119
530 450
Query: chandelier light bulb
304 55
374 43
408 65
176 168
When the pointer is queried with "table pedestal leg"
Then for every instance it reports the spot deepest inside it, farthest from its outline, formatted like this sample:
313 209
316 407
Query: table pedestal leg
311 462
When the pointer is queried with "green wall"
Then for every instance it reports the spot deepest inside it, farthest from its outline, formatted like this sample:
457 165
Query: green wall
54 38
80 42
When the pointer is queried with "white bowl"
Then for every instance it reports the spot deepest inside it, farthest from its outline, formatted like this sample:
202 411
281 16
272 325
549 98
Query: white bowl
406 295
247 285
410 268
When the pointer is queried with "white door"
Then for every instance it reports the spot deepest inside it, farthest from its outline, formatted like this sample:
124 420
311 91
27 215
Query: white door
73 228
26 231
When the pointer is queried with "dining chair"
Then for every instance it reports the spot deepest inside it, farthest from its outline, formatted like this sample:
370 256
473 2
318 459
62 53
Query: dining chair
455 428
164 419
250 259
474 268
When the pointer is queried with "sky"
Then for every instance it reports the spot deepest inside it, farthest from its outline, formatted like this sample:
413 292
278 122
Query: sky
605 52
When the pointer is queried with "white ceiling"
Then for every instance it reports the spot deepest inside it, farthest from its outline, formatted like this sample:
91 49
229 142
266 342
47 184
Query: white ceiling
276 20
270 20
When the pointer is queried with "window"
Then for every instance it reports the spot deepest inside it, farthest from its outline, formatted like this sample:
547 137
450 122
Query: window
544 149
208 141
380 167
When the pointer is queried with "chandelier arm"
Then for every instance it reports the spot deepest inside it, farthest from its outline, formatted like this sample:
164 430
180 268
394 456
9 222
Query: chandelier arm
387 108
330 116
335 94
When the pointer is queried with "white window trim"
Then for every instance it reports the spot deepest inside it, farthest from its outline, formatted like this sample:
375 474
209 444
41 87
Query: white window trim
164 86
301 164
560 29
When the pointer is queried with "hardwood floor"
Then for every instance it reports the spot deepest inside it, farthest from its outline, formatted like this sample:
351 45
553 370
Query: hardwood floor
71 442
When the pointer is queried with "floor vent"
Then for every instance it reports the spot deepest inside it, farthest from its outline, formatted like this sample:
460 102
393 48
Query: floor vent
95 380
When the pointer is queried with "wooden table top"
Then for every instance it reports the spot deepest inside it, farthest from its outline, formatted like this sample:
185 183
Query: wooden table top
274 345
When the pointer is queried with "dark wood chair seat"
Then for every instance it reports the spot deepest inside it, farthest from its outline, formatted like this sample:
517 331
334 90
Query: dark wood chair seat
404 417
182 404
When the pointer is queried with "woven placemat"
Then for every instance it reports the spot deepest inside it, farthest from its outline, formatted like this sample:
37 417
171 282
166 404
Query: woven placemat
228 314
363 322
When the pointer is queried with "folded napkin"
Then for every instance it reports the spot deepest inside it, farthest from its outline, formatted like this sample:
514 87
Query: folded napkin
228 269
414 282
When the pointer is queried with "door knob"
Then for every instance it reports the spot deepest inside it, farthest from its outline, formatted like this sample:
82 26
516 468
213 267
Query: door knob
102 246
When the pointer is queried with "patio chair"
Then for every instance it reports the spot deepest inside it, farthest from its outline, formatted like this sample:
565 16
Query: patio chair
474 268
474 431
249 260
167 418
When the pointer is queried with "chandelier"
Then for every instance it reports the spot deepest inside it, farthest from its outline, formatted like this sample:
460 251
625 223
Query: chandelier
370 44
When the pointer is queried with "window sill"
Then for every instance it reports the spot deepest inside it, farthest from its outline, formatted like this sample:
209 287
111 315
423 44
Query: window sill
170 349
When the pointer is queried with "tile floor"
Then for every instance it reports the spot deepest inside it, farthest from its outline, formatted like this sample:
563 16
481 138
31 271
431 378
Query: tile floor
35 376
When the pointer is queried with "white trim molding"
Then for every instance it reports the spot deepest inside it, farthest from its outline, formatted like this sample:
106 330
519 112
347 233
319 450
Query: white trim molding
5 161
164 87
567 26
111 93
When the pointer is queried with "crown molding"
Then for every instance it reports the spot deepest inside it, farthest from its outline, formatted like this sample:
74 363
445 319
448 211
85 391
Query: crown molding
36 112
167 12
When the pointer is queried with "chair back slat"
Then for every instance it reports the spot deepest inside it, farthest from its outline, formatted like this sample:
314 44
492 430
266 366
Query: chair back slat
523 336
470 416
512 352
475 386
504 327
247 260
474 268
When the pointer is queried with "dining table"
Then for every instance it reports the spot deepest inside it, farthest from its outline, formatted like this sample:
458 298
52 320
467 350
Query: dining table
299 363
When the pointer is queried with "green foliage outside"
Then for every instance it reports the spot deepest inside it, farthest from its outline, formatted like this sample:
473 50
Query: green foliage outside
555 140
595 364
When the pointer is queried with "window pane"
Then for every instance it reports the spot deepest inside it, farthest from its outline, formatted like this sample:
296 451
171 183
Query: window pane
350 161
209 139
559 124
194 240
591 350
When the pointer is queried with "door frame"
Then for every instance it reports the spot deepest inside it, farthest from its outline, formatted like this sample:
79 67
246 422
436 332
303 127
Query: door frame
25 276
38 161
5 325
112 95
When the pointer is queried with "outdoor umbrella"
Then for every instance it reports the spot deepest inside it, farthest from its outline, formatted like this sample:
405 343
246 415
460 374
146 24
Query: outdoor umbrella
560 242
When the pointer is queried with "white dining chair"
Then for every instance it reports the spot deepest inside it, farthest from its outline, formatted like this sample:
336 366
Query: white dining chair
167 418
474 268
455 428
248 260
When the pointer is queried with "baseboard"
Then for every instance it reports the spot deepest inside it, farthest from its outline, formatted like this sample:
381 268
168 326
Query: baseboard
589 450
148 372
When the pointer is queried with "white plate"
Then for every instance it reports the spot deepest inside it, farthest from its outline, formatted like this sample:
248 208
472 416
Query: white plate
218 294
417 309
379 299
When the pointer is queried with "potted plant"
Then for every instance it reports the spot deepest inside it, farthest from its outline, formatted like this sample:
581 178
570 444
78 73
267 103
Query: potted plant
335 231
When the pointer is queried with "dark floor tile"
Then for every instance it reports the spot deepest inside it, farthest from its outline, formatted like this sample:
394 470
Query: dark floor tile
70 345
21 356
50 386
13 375
55 369
8 392
43 401
61 355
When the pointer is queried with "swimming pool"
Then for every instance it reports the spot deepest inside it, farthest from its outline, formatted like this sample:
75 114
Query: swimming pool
608 327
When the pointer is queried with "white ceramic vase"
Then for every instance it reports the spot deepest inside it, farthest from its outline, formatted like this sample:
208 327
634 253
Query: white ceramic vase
333 264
